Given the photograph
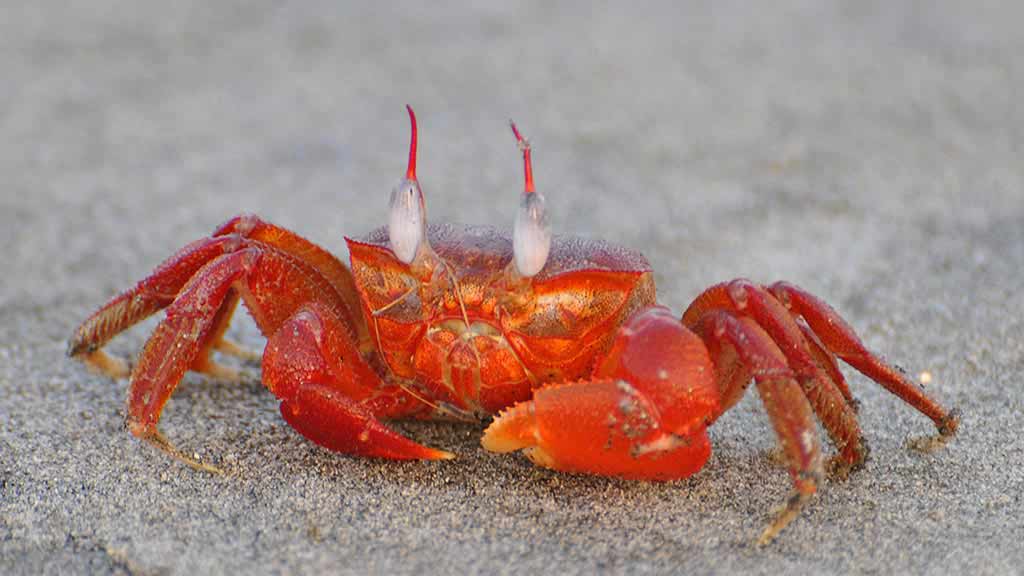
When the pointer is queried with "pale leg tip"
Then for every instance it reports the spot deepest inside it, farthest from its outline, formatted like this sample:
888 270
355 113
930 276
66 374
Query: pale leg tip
157 439
788 513
100 362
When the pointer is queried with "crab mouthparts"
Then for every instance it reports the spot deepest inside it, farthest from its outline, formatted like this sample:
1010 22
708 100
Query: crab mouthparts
464 331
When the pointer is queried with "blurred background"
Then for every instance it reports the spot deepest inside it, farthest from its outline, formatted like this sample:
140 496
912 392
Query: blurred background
868 151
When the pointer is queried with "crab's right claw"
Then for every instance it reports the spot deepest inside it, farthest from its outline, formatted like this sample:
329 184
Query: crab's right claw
330 395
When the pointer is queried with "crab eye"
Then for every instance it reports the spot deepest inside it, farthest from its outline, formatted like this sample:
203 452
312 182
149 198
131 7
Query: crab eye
407 220
531 236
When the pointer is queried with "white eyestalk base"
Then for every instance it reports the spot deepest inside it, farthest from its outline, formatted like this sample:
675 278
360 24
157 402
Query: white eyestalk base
407 221
531 236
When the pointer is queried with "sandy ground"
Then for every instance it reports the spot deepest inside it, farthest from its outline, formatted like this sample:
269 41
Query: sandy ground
869 152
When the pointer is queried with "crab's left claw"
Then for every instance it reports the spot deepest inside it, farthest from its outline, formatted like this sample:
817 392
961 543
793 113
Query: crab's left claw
636 418
603 427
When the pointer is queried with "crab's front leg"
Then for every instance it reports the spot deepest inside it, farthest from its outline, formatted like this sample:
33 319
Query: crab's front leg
645 411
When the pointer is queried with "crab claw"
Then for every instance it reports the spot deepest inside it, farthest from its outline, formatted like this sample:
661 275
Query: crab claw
603 427
329 394
328 418
640 416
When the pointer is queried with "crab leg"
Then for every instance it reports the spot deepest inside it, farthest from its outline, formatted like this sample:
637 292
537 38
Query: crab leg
742 341
253 228
177 343
160 288
272 284
214 340
330 395
788 408
744 298
150 295
286 302
828 363
839 338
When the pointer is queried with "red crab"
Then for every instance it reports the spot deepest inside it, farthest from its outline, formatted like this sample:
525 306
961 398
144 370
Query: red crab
561 337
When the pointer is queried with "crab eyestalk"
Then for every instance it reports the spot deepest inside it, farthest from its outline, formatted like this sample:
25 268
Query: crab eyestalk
531 236
407 220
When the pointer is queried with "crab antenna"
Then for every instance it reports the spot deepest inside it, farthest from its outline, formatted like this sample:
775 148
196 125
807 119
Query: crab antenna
524 145
411 172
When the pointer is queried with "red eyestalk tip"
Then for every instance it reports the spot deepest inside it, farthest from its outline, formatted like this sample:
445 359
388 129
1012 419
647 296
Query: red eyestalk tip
524 145
411 172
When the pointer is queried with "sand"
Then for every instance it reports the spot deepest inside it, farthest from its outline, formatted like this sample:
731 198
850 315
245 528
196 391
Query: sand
870 153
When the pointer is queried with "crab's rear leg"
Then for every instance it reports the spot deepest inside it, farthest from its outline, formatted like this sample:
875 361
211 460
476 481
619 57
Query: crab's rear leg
152 294
745 299
178 341
326 265
197 314
739 345
215 340
161 287
840 339
280 293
